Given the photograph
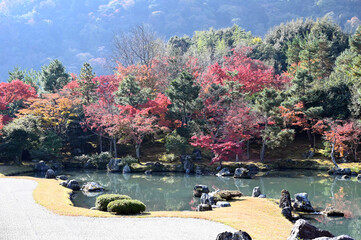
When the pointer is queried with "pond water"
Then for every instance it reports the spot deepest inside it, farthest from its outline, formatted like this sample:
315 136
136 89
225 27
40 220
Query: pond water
174 192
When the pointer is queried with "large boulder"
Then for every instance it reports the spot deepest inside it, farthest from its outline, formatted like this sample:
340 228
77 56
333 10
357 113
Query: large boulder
285 200
224 173
126 169
114 165
304 230
302 204
252 168
204 207
341 237
256 192
92 187
240 235
287 213
50 173
73 185
199 189
207 198
41 166
241 173
227 195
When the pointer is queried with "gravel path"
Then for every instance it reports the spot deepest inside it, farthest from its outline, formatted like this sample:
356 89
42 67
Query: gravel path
21 219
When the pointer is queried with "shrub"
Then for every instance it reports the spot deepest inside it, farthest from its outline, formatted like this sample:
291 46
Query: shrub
98 160
128 160
126 207
174 143
102 201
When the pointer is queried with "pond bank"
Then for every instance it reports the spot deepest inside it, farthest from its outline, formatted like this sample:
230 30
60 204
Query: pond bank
259 217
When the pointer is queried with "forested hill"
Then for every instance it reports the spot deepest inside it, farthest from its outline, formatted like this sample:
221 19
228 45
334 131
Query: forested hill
74 31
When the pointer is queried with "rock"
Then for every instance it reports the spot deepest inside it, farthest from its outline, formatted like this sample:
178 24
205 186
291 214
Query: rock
224 173
287 213
262 196
126 169
93 208
199 189
353 174
285 200
304 230
157 167
148 172
241 173
347 171
341 237
252 168
113 165
197 154
240 235
331 212
62 177
204 207
198 170
187 163
227 194
256 191
64 184
41 166
73 185
89 165
359 177
207 198
345 177
308 154
340 171
302 204
223 204
57 166
50 173
218 168
92 187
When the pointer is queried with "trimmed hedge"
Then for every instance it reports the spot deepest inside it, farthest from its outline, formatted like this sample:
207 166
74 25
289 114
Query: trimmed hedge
126 207
102 201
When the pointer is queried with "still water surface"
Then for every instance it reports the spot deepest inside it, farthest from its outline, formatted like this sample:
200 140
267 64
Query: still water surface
174 192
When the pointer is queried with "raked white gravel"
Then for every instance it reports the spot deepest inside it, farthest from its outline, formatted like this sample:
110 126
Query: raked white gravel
21 219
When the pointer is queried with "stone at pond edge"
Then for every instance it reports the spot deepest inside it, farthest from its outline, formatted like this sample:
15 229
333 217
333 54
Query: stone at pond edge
340 171
204 207
227 194
345 177
199 189
359 177
113 165
304 230
240 235
341 237
41 166
302 204
73 184
287 213
256 191
207 198
241 173
92 187
285 200
224 173
148 172
223 204
50 173
262 196
126 169
62 177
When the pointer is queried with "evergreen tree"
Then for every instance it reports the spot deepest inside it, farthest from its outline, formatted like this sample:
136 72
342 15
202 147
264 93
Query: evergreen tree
53 77
130 93
87 84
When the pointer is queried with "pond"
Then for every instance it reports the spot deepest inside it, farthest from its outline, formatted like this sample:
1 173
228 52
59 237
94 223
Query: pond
174 192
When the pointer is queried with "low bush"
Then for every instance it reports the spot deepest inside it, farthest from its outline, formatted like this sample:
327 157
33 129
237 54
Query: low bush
102 201
126 207
99 161
128 160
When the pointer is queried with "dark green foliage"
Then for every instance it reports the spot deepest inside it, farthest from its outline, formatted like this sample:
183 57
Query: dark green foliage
183 93
130 93
178 46
98 160
102 201
126 207
86 84
53 77
50 145
128 160
174 143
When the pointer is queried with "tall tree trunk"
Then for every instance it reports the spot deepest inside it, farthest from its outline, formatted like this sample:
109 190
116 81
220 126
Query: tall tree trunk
263 149
137 150
101 143
237 158
110 146
314 142
115 148
248 154
355 152
310 138
333 158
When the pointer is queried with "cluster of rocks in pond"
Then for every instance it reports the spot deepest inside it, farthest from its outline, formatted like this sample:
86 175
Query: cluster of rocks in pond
344 173
216 199
71 184
306 231
240 235
92 189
